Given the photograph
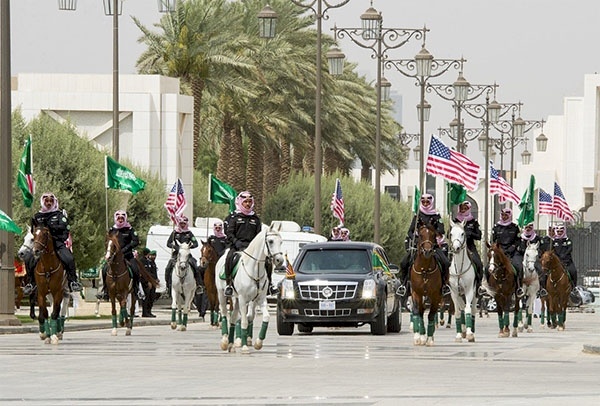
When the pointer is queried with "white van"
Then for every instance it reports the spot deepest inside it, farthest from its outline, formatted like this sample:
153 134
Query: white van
157 237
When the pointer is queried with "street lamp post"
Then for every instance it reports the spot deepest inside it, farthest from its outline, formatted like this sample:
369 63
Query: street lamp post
372 35
422 68
405 140
267 18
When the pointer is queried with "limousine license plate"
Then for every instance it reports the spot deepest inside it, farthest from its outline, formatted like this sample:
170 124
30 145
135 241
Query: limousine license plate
327 305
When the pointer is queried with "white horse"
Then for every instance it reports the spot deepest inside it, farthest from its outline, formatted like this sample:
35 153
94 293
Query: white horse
250 285
183 287
531 283
462 284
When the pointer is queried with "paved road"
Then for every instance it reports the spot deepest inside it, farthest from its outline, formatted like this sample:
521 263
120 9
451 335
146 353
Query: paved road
332 366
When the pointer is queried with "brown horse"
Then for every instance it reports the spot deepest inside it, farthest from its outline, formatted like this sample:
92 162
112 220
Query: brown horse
208 260
426 281
119 284
50 278
558 286
503 283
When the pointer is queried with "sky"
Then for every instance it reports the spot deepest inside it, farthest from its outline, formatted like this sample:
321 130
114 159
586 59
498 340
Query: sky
537 51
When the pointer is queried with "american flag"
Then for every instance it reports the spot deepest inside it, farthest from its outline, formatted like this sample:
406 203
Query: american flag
451 165
337 202
545 203
561 208
176 202
289 271
500 187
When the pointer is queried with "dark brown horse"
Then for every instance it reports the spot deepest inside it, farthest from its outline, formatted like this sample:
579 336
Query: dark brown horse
503 283
426 281
50 278
558 286
119 284
208 260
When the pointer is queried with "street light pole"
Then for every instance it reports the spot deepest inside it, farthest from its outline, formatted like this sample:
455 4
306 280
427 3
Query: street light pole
372 35
422 68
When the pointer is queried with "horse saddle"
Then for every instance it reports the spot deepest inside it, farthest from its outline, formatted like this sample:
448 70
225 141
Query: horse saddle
234 263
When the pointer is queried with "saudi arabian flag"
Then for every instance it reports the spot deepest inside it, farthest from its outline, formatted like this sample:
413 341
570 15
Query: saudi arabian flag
221 193
119 177
378 263
417 200
7 224
527 205
25 175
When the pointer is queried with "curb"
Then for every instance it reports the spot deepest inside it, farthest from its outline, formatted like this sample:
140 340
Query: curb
591 349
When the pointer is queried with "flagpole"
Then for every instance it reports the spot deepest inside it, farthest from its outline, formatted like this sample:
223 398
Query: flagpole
106 191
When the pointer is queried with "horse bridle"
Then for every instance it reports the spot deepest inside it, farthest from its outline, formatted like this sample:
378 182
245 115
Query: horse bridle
38 243
269 253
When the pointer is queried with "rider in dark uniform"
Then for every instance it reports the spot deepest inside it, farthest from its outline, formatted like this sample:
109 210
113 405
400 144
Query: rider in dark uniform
58 224
128 240
563 247
182 234
427 215
529 236
218 240
472 234
507 235
241 227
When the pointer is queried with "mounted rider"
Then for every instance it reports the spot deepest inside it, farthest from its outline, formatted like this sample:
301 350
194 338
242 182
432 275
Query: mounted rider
182 234
427 215
128 240
563 247
507 235
472 234
529 236
57 223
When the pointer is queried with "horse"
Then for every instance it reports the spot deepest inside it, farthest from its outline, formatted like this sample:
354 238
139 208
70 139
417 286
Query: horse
51 278
119 285
558 286
183 287
425 280
208 261
462 284
25 253
531 284
250 283
447 305
503 284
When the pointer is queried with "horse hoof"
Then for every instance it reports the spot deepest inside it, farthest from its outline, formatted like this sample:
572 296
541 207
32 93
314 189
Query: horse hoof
560 328
224 345
258 344
128 332
245 350
54 340
182 328
441 322
249 341
231 348
458 338
43 336
529 330
113 332
463 334
471 338
173 325
60 336
237 343
515 333
429 342
47 340
448 326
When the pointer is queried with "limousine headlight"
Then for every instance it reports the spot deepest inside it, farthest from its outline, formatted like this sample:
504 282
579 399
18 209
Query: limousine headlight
369 289
287 289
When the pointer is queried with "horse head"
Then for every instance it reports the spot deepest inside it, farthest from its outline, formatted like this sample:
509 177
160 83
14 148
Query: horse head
183 255
498 262
530 257
427 241
208 254
458 237
27 247
273 249
42 241
112 247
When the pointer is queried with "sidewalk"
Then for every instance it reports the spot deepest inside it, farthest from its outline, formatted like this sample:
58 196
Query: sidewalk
162 310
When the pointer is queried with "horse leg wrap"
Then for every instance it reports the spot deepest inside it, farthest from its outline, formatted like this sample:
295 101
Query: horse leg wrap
231 333
114 321
238 329
250 328
173 314
470 322
123 315
185 319
430 328
500 321
223 325
61 324
41 326
53 326
263 330
47 327
244 336
179 317
529 319
214 317
460 320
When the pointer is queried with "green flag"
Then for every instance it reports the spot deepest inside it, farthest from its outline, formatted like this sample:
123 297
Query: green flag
119 177
25 175
220 192
456 195
417 200
527 205
7 224
378 263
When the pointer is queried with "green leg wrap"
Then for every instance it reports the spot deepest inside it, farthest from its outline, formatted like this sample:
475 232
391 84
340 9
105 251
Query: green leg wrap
173 315
506 321
430 328
61 324
41 326
469 322
185 319
223 325
238 329
179 317
114 321
422 329
53 327
244 336
250 328
415 321
214 317
47 327
459 322
263 330
449 318
529 319
516 320
473 323
231 333
123 315
500 321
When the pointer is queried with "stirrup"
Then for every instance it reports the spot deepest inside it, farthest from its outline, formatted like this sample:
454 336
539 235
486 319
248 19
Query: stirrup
520 292
543 292
199 289
272 290
401 291
228 291
75 286
140 295
482 291
28 289
445 290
